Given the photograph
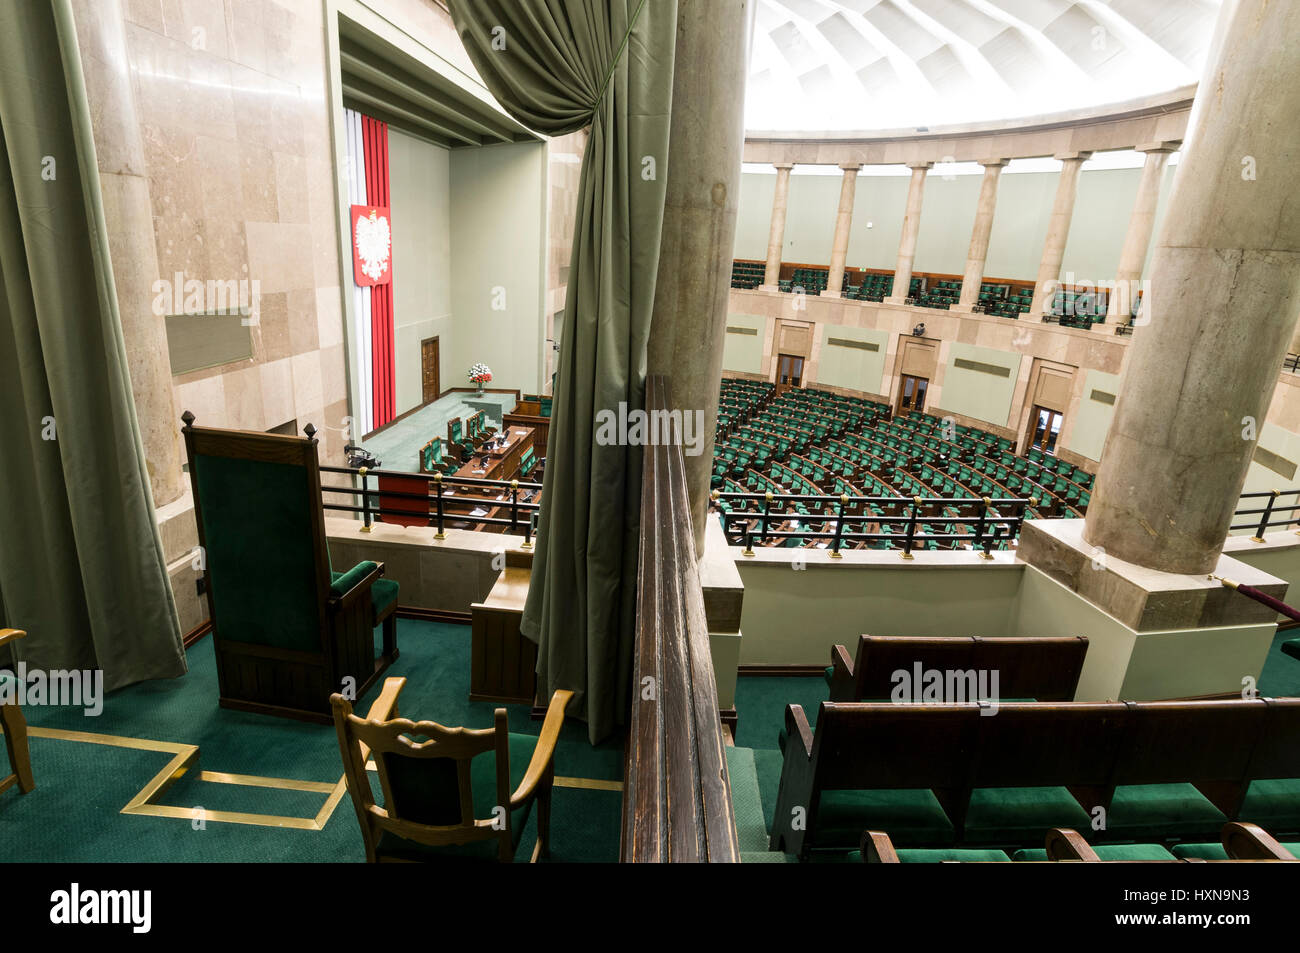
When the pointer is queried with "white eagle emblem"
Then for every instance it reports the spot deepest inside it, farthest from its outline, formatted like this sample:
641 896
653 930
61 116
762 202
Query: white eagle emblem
374 241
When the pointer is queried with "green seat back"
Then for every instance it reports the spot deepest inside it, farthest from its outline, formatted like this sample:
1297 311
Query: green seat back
259 529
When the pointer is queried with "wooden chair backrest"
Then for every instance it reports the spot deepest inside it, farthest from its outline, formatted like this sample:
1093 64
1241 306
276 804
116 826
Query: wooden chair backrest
426 784
1044 669
455 431
431 456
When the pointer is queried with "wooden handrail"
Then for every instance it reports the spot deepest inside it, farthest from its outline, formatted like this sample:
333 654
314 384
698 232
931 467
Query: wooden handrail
677 795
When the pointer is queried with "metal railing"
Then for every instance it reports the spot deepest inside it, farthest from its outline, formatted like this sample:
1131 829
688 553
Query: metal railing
1267 512
992 526
439 501
1292 363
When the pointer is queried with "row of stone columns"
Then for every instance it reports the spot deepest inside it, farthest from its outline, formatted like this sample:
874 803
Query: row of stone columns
1137 238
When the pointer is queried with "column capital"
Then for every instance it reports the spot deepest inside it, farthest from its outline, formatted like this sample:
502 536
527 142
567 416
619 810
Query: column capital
851 166
783 165
993 163
919 165
1168 145
1073 156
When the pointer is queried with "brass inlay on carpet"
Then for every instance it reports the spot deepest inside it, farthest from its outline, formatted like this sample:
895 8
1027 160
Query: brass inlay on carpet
185 757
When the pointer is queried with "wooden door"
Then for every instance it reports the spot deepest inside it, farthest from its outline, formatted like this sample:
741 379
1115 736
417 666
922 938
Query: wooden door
911 393
429 370
789 371
1045 428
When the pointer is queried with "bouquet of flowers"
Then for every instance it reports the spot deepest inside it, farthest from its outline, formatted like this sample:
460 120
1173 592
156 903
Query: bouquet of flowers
480 374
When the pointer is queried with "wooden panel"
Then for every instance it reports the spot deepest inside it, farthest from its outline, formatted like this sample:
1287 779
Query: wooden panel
919 359
677 794
1053 391
503 662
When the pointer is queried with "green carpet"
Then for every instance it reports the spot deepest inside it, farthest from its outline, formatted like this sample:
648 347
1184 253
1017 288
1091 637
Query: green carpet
74 813
1281 675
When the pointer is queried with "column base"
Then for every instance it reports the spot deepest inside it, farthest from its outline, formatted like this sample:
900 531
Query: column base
831 294
767 288
1145 599
962 308
892 300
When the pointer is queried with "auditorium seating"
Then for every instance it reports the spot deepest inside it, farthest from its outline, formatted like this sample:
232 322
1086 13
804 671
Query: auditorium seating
947 775
747 274
462 794
15 726
1238 841
815 442
1044 669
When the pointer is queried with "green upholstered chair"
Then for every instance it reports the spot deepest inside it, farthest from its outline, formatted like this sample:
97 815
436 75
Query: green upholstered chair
459 794
433 458
458 439
288 631
527 461
15 727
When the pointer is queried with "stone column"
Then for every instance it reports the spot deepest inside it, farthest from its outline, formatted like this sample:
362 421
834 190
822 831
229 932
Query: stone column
1058 231
706 140
1225 291
911 227
1141 223
776 237
843 222
979 235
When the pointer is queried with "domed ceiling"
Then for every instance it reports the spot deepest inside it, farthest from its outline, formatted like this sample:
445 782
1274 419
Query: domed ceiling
845 65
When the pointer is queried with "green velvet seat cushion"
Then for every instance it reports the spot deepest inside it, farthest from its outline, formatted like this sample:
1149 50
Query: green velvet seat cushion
939 856
383 592
1161 810
1274 805
912 818
1106 852
437 787
830 671
1021 815
1200 852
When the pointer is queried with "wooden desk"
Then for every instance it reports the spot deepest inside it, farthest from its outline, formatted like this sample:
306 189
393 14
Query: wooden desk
503 664
503 462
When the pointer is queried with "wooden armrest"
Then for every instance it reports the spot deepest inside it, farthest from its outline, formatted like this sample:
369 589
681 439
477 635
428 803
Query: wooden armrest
1252 842
11 635
384 707
877 848
796 727
359 588
1066 844
841 687
544 753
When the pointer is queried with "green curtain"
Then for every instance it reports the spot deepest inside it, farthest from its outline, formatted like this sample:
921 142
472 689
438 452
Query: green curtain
557 66
81 561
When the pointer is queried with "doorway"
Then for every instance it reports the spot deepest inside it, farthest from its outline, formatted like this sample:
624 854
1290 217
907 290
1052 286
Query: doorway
911 393
789 371
1046 428
430 385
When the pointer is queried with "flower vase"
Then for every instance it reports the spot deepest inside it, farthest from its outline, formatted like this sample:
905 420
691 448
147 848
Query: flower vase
479 392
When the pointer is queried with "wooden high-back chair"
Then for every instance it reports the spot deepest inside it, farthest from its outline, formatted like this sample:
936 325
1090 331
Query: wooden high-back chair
446 791
15 727
286 629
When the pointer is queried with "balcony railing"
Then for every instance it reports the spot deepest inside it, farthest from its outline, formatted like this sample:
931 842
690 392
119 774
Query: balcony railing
991 523
1263 518
443 505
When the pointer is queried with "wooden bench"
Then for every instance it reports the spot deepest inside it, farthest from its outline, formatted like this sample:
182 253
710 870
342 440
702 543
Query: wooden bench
939 775
1044 669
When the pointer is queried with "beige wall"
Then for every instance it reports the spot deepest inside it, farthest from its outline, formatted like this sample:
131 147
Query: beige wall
419 174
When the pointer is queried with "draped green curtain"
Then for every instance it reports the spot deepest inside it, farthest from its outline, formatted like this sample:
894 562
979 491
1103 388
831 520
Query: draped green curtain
557 66
81 561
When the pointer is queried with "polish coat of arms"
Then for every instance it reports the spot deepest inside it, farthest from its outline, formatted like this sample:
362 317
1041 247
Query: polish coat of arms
372 245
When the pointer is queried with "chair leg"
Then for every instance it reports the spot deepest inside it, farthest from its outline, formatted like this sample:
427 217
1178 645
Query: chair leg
20 758
390 637
543 848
